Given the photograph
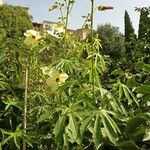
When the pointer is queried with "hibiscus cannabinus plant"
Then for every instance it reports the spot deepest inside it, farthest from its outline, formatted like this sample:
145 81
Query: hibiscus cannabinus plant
70 99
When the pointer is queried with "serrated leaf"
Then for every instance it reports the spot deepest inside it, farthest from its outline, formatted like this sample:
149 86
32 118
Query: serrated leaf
127 95
128 145
17 142
46 115
133 97
133 123
145 89
112 123
66 142
108 132
97 131
120 90
74 128
85 124
146 67
59 129
147 135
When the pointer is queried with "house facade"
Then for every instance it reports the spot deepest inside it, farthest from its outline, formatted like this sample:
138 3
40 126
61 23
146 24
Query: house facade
56 29
2 2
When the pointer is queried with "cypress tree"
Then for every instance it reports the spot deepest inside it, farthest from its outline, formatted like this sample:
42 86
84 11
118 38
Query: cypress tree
144 23
129 30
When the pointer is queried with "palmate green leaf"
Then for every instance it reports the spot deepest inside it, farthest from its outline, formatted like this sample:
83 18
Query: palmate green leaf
120 90
107 130
60 128
73 128
105 92
144 89
97 43
123 110
142 65
16 136
6 140
85 123
146 67
17 142
2 76
138 134
112 123
90 72
46 115
3 85
145 115
133 97
28 141
133 123
12 102
97 131
66 65
2 57
128 93
40 96
66 142
99 59
147 135
128 145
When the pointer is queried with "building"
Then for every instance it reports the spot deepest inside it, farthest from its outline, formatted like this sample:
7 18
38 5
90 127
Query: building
2 2
26 9
56 29
82 33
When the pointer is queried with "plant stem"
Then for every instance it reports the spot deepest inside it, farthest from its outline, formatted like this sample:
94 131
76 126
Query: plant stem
66 26
25 106
93 81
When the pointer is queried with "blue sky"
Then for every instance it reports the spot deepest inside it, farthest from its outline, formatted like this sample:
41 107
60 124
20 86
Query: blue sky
39 11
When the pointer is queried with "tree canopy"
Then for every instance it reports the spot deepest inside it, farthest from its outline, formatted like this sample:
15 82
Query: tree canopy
14 20
112 41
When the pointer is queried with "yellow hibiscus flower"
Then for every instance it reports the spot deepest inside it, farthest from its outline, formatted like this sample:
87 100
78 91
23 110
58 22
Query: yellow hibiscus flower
32 38
56 79
45 70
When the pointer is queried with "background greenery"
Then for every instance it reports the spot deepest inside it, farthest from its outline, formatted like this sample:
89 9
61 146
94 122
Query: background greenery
116 118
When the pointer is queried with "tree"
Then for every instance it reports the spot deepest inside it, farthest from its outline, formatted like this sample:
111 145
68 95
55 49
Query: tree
144 34
112 41
129 31
144 23
14 20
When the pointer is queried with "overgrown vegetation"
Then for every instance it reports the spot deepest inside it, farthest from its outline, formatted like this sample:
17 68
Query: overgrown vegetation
64 93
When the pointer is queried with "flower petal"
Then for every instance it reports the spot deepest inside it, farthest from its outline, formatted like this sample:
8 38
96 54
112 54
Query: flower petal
38 37
53 73
63 77
45 70
29 40
31 32
51 82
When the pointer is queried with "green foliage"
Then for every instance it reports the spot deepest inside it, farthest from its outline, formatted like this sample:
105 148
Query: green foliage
111 45
144 22
129 31
14 21
97 107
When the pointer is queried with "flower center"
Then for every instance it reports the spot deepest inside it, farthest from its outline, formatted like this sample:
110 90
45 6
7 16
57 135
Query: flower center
33 36
57 80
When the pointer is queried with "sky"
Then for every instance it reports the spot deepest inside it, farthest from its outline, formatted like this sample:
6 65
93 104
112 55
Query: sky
39 11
